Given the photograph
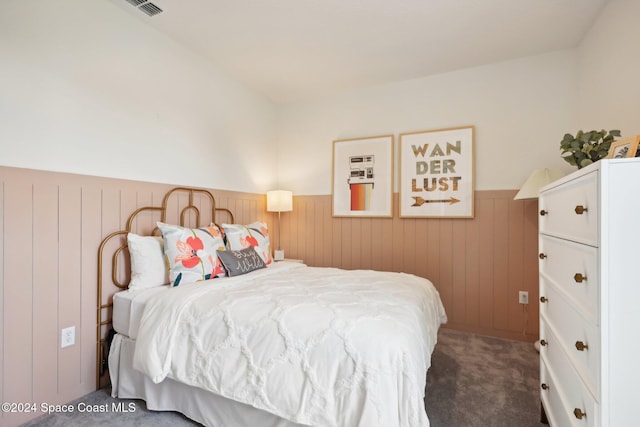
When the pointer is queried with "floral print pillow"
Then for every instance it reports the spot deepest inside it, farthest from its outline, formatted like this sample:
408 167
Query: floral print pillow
192 252
243 236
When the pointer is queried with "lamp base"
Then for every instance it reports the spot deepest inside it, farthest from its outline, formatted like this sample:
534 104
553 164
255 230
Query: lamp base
278 255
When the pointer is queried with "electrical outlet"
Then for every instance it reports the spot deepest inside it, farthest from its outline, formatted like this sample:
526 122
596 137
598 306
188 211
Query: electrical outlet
523 297
68 337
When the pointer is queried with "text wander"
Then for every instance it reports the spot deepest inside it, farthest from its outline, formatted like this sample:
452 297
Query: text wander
435 171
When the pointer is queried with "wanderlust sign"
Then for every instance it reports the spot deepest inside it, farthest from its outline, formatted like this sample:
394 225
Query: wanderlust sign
436 173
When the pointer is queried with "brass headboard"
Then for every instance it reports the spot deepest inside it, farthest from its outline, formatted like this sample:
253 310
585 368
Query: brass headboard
173 210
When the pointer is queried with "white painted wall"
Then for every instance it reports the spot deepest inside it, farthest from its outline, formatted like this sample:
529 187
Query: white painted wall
609 70
520 110
87 88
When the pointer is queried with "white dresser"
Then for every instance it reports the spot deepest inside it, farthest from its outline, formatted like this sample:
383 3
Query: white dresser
589 246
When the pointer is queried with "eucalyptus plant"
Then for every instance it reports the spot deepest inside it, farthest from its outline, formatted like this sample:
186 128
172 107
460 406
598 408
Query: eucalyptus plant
587 147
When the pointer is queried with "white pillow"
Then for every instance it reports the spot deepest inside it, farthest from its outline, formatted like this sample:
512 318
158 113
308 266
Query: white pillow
149 267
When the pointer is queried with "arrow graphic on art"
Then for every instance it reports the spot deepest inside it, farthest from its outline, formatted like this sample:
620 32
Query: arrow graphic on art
419 201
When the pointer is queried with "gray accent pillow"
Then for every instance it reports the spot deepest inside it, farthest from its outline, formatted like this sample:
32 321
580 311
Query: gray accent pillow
240 262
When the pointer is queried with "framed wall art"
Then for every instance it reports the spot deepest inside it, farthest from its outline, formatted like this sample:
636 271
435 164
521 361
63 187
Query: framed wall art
437 174
625 147
363 177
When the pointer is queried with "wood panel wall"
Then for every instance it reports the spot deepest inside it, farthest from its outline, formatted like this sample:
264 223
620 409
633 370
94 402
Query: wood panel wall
478 265
51 225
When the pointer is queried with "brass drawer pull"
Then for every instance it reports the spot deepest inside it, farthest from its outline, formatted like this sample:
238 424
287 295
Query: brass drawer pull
543 212
542 256
543 299
544 386
579 414
543 343
579 278
580 209
580 346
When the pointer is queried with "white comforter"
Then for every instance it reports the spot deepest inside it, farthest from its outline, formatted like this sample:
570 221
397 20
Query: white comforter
317 346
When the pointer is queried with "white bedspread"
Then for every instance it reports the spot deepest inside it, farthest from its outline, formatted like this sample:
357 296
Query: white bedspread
318 346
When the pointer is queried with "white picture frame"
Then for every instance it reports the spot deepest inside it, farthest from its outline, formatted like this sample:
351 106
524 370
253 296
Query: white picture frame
437 173
362 179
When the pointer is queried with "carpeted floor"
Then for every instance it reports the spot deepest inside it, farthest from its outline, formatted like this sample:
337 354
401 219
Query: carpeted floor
473 381
482 381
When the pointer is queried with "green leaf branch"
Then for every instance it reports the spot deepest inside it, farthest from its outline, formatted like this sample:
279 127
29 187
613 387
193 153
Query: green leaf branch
587 147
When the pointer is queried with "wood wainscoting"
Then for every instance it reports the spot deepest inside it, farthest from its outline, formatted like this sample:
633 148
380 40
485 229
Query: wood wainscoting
51 225
477 264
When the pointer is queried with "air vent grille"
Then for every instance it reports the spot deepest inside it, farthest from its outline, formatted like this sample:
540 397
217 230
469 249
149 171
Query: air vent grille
145 6
150 9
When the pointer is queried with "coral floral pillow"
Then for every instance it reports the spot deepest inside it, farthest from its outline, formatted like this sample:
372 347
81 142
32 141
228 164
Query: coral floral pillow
192 252
255 234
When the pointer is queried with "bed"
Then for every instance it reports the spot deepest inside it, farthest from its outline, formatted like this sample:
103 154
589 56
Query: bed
269 344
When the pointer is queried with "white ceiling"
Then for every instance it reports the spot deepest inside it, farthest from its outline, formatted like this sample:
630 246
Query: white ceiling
292 50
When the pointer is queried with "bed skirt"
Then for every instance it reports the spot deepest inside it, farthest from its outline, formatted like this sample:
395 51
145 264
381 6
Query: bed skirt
200 405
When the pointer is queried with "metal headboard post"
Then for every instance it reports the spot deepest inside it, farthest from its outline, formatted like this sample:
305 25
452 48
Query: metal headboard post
101 347
101 357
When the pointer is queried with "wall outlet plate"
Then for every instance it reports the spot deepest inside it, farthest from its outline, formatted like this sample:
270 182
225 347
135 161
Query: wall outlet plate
523 297
68 337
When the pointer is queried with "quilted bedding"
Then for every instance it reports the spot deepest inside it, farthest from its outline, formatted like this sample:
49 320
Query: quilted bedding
317 346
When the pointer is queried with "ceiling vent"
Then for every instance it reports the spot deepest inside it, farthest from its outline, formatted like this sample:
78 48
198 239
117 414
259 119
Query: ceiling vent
150 9
145 6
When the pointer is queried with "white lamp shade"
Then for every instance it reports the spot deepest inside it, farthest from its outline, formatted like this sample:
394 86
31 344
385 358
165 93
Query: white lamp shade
538 179
279 201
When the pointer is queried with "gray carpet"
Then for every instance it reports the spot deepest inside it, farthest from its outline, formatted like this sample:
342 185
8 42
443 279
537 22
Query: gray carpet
473 381
482 381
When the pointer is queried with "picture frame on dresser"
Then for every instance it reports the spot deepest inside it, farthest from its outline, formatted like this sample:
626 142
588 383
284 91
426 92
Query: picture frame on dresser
623 148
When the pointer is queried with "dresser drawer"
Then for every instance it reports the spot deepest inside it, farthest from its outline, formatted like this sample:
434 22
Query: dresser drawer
561 214
565 397
573 267
554 408
571 332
